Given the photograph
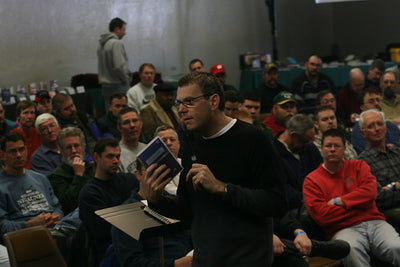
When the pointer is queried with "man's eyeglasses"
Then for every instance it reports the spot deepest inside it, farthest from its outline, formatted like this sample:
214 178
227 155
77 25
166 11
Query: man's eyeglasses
372 126
189 101
45 129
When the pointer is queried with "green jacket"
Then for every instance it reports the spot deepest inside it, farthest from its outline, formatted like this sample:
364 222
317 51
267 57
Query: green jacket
67 186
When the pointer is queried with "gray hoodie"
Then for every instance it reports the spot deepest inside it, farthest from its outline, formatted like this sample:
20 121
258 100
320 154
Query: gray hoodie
113 65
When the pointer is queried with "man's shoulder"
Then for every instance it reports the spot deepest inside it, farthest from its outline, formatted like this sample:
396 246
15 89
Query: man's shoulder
40 151
134 89
322 76
315 174
299 78
392 127
355 164
368 152
35 175
311 151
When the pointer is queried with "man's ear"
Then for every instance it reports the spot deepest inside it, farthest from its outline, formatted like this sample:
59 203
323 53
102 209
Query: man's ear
96 157
316 125
362 132
215 100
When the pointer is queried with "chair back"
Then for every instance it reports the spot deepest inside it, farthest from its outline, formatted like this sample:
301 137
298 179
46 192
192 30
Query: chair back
31 247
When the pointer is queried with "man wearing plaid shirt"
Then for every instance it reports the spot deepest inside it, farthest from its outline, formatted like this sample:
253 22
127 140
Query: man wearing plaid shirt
384 161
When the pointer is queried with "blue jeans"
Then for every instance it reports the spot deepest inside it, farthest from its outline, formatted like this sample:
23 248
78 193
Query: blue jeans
376 237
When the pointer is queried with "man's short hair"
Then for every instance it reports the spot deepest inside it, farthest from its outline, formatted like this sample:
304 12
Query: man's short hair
194 61
364 113
126 110
333 133
141 68
115 23
24 104
231 96
320 109
364 92
68 132
10 137
104 142
321 94
116 96
208 83
392 72
299 124
378 64
42 118
162 128
249 95
58 100
314 55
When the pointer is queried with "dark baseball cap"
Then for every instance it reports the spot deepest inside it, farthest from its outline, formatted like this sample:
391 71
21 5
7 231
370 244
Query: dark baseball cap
42 94
164 87
283 97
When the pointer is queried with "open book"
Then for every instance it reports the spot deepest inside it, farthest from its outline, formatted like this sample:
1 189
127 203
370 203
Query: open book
157 152
138 220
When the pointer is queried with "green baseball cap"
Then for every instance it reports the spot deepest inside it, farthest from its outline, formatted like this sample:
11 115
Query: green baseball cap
283 97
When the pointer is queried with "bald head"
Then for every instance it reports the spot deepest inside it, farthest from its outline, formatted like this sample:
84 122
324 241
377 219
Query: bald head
356 80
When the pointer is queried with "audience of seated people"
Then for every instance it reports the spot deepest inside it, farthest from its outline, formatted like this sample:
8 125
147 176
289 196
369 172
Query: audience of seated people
169 136
43 102
250 102
231 102
291 243
107 188
141 93
130 126
26 113
298 156
384 161
370 99
108 123
340 196
270 87
324 120
160 110
68 116
390 100
75 181
68 179
374 75
27 198
308 83
284 107
348 104
196 65
220 72
47 156
327 98
6 125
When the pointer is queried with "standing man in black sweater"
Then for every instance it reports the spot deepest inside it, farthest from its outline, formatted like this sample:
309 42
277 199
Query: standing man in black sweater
230 187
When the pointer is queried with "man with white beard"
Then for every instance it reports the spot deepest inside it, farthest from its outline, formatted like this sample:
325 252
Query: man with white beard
68 179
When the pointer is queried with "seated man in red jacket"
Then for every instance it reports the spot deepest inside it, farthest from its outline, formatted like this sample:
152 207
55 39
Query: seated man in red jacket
340 197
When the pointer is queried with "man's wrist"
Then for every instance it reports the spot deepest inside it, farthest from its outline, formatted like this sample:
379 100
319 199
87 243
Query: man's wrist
301 232
392 186
224 189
